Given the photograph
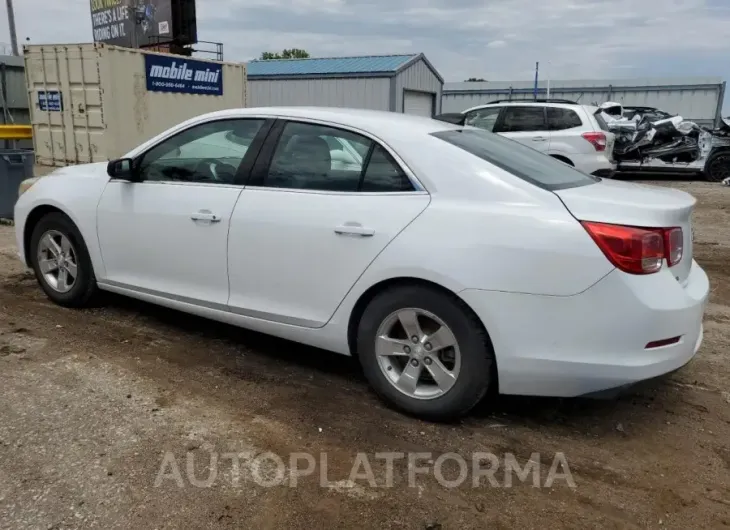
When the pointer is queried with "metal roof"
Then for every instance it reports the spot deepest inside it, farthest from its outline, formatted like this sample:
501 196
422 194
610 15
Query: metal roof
374 64
494 87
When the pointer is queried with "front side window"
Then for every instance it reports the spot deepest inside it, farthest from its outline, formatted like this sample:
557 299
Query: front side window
560 119
524 162
210 152
483 118
523 119
318 157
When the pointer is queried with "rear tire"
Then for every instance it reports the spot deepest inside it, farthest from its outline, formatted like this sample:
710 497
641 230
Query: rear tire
449 381
717 167
56 246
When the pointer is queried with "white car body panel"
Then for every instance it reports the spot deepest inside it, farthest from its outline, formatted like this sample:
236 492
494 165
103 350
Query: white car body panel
173 253
289 263
562 319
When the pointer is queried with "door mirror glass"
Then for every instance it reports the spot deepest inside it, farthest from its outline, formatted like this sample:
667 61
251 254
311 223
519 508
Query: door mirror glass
121 169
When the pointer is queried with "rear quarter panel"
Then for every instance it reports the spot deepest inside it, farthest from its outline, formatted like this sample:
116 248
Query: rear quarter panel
518 248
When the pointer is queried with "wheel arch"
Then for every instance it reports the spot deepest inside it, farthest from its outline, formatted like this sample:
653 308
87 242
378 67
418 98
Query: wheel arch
33 218
374 290
564 159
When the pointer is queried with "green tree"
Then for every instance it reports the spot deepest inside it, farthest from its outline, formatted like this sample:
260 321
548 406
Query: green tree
474 80
293 53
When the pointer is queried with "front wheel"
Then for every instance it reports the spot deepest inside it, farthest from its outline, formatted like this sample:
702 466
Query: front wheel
424 352
61 262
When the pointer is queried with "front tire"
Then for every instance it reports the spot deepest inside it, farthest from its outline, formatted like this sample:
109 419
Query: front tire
424 352
61 261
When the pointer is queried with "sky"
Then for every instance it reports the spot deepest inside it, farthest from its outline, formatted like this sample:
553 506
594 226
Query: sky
499 40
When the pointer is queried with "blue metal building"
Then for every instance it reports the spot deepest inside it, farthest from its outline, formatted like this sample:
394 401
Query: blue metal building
397 83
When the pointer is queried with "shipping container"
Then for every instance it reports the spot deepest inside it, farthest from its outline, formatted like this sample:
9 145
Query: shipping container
95 102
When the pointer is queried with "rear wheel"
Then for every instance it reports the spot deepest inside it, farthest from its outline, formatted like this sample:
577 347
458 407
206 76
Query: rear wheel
717 167
61 261
424 352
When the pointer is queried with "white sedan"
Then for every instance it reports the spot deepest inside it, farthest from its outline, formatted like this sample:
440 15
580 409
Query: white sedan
449 260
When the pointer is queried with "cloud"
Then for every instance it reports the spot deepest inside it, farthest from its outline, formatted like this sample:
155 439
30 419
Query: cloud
495 39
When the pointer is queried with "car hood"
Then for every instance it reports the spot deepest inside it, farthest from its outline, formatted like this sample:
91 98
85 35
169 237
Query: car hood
96 169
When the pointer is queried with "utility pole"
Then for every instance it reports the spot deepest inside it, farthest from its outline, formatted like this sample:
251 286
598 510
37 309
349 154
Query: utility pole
133 9
11 23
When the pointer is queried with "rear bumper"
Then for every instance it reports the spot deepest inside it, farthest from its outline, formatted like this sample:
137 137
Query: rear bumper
596 340
593 162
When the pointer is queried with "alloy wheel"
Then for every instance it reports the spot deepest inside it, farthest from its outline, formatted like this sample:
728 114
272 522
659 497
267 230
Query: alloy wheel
418 353
57 261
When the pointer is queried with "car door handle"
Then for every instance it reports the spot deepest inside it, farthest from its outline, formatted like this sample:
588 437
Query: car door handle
355 230
205 216
539 139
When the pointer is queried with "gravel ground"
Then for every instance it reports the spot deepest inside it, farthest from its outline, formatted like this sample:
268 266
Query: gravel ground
101 408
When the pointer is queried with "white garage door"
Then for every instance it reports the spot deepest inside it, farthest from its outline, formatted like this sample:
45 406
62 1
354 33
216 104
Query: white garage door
418 103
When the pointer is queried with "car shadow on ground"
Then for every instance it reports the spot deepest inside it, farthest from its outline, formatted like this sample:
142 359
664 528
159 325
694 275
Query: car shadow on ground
266 354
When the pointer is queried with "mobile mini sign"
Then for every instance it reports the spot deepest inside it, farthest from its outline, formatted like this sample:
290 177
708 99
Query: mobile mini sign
183 76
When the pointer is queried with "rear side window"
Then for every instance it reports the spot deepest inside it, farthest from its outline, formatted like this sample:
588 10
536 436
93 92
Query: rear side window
562 119
524 162
383 174
523 119
484 118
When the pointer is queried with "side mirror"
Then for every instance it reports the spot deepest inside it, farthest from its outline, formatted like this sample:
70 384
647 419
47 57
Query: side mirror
121 169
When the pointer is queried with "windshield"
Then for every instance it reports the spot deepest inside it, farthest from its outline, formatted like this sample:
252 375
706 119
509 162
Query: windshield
522 161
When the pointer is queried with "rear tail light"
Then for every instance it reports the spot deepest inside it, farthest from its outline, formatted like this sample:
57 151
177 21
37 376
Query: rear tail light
637 250
598 139
674 243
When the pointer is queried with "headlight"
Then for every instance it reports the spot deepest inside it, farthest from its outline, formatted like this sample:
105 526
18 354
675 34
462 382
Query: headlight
26 185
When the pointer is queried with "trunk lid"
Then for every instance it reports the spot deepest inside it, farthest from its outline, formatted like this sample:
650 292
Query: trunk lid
639 205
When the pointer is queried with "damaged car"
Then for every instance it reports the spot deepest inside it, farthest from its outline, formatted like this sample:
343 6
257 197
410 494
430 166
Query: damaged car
648 139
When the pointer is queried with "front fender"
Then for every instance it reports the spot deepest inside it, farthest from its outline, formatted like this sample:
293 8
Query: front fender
77 197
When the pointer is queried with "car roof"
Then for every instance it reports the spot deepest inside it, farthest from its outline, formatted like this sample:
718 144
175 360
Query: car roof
373 121
528 103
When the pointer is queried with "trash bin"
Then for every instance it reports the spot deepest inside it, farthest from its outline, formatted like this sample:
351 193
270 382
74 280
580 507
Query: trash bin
16 165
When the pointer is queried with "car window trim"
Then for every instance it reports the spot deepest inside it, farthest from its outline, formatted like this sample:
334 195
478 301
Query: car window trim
251 152
266 155
498 108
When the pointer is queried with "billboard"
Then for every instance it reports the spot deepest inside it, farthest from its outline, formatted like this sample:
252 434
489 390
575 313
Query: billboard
141 23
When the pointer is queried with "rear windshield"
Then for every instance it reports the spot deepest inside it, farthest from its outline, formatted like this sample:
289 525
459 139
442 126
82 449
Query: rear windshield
601 122
522 161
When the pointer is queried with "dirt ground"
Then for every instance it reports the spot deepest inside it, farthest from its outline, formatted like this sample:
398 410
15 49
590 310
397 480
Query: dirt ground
100 407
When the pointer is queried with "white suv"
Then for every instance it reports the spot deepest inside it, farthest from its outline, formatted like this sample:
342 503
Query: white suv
567 131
